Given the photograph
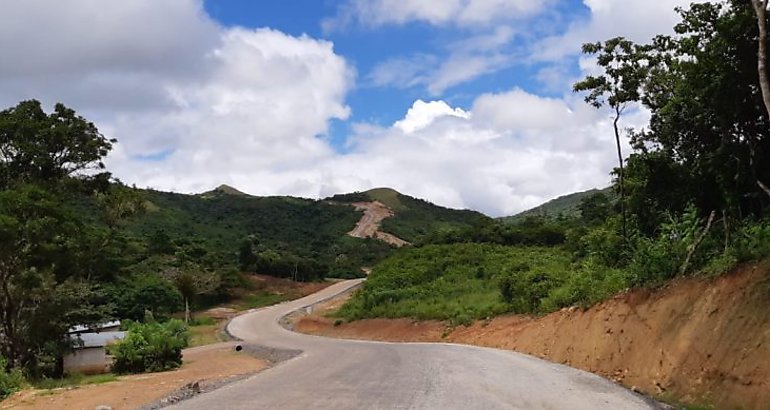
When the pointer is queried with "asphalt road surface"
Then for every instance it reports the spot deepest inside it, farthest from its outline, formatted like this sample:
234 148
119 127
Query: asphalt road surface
347 374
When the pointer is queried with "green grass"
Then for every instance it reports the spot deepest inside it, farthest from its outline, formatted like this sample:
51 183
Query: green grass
461 283
75 379
202 321
259 300
204 335
675 403
387 196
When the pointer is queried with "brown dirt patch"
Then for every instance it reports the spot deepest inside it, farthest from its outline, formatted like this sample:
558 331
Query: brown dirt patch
696 340
269 284
369 224
205 363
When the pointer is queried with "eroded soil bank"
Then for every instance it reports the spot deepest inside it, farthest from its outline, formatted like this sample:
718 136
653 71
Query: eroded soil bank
704 341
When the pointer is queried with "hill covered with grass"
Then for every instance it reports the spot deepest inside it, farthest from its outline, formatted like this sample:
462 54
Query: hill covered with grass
565 205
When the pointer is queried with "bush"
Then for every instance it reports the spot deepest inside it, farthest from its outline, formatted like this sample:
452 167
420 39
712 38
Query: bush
150 347
591 283
753 241
605 244
658 259
10 381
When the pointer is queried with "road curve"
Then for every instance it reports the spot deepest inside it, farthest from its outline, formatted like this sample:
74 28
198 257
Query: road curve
348 374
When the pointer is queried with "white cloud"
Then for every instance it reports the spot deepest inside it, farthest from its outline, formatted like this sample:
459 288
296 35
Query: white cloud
254 119
466 60
456 12
637 20
402 72
511 151
423 114
246 107
460 68
213 104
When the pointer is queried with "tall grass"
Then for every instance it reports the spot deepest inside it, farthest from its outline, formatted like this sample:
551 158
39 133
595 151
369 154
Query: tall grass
463 282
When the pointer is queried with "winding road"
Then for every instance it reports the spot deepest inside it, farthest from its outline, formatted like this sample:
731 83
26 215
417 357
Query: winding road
348 374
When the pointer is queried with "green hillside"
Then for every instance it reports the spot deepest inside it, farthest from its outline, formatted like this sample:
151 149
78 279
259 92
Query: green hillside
280 236
415 218
566 205
272 235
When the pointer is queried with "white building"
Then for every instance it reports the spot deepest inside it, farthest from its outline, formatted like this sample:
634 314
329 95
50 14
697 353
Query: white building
90 348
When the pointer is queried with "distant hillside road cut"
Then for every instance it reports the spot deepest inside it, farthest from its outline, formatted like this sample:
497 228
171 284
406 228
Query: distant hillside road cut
348 374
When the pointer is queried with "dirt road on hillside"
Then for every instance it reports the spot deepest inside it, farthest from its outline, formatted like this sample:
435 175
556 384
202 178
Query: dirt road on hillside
344 374
369 224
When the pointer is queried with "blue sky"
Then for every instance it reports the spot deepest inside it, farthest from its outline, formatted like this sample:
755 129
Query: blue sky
366 47
466 103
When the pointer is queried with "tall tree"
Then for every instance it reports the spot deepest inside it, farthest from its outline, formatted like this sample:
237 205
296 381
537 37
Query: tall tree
40 147
44 159
760 9
191 281
40 297
625 68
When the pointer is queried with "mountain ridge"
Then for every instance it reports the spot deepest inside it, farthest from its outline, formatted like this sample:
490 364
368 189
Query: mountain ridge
566 205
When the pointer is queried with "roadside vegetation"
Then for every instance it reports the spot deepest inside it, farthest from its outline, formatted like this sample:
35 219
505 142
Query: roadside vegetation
691 199
150 347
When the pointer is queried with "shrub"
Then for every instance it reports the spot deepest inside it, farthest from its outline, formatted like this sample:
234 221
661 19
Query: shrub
603 243
591 282
150 347
753 241
10 381
506 284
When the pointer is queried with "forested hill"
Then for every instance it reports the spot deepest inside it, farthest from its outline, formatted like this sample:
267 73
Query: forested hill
279 235
566 205
415 218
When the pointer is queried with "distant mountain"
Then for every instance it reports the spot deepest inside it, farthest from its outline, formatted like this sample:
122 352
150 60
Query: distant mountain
564 205
223 190
413 217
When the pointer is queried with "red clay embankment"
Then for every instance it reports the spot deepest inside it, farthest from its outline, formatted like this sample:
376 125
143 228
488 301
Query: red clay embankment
696 340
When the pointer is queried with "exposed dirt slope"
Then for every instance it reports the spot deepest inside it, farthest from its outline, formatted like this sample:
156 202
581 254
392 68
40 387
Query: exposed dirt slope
369 225
697 340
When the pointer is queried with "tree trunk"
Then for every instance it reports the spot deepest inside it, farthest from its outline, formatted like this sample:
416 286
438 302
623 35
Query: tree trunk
621 183
760 9
187 310
764 187
727 230
692 248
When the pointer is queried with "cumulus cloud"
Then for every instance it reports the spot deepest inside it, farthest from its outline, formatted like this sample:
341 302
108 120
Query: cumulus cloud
195 105
637 20
446 12
423 114
192 103
260 109
509 152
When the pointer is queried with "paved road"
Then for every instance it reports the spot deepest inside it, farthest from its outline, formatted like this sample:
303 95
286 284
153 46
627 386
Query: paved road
346 374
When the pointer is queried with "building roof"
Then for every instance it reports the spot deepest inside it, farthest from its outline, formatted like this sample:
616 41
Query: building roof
90 328
86 340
